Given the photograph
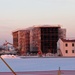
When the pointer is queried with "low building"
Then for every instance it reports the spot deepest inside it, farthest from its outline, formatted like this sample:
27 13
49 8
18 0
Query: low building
66 47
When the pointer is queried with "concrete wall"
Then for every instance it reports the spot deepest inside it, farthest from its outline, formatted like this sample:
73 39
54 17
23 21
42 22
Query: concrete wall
61 46
69 48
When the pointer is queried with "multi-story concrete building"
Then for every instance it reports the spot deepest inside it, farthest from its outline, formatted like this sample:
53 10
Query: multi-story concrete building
21 39
66 47
40 38
44 38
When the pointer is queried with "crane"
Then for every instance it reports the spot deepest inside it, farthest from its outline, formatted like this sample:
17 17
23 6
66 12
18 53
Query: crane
9 50
6 43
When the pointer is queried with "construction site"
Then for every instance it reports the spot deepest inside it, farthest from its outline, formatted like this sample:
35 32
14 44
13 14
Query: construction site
42 39
8 48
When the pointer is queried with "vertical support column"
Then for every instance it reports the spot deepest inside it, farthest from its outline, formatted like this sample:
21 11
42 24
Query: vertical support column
59 71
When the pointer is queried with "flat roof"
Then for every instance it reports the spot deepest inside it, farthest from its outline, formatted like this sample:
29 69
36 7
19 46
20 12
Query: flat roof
68 40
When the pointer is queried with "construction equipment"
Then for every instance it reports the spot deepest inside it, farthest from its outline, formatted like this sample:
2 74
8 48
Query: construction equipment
6 43
9 50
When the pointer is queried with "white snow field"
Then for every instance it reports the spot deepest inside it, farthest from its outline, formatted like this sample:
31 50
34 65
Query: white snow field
37 64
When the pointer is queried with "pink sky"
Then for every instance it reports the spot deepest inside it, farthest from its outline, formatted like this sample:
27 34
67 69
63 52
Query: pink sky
16 14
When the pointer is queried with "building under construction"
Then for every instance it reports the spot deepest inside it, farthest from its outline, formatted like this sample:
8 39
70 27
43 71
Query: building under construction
39 38
44 38
21 41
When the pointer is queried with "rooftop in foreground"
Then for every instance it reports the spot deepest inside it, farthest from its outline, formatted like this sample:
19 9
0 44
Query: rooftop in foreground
55 72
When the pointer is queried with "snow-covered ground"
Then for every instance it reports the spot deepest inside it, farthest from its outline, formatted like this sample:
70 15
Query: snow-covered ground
9 56
38 64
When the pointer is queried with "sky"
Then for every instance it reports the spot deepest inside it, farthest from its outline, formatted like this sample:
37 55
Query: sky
20 14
